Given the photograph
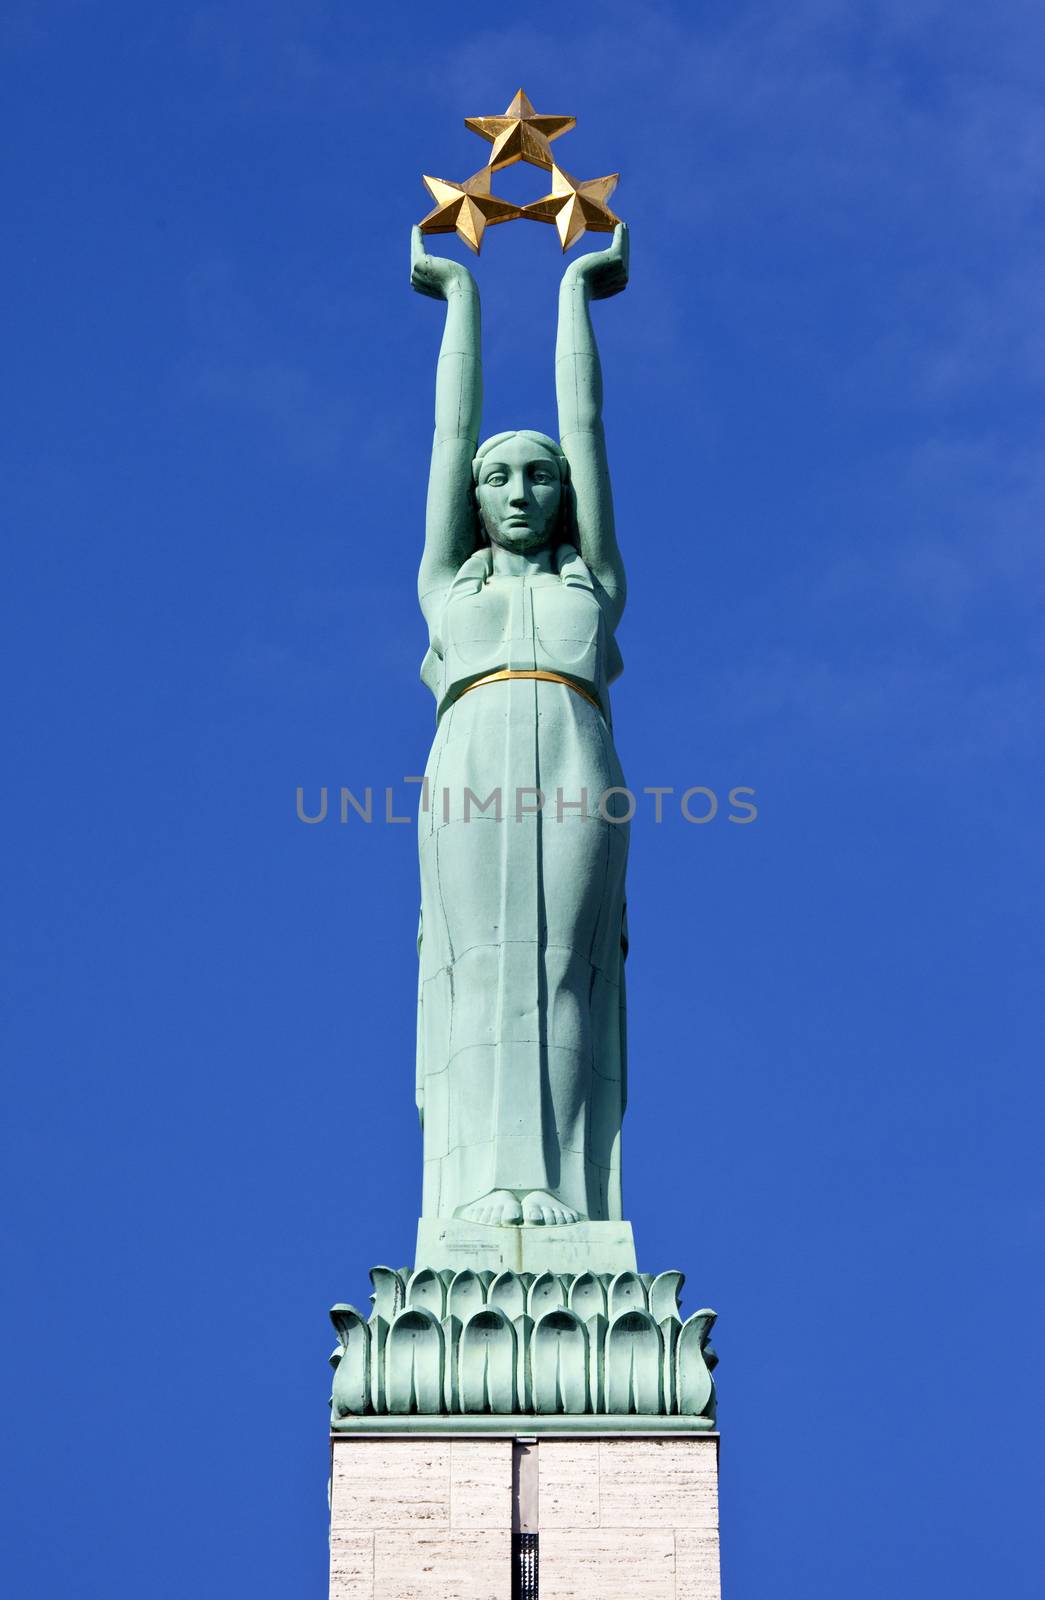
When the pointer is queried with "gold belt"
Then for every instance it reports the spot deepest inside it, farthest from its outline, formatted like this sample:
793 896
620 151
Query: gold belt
508 673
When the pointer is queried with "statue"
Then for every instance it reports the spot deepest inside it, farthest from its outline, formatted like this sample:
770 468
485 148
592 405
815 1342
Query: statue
525 1303
521 1039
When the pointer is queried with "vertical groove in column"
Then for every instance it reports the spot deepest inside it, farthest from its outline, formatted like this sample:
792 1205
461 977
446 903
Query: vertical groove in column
525 1566
525 1487
526 1483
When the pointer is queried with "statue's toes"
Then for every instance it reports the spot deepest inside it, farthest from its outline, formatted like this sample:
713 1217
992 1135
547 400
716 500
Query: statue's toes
547 1210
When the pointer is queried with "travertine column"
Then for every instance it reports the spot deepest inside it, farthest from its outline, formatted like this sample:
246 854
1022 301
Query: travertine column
421 1517
413 1518
629 1517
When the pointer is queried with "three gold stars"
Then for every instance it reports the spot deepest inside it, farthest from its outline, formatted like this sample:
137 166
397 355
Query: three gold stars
521 134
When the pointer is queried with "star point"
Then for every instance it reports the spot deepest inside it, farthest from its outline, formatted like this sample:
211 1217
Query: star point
521 134
575 207
467 208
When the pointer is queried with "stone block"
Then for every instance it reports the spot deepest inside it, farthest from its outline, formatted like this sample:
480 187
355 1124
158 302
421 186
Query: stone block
391 1483
427 1565
697 1565
608 1564
351 1566
658 1483
568 1479
481 1484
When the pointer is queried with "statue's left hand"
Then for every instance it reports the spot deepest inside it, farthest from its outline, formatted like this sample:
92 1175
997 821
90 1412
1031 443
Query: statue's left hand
602 272
435 276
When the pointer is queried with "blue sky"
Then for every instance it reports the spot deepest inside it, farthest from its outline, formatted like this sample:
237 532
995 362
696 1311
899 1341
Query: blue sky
824 405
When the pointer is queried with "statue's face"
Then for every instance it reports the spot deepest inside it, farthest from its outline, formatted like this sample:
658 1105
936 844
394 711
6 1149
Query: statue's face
519 492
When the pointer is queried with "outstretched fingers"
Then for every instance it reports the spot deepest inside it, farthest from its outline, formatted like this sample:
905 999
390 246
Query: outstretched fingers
603 272
613 274
422 277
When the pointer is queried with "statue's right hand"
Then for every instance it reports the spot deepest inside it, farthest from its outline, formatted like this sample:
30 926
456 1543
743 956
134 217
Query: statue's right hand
602 272
435 276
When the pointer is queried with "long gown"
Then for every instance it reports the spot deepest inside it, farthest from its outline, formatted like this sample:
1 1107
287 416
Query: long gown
521 1028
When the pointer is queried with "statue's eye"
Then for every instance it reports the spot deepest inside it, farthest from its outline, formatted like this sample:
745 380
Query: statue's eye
496 480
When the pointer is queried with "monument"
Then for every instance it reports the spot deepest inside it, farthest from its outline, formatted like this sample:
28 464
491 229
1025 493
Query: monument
523 1410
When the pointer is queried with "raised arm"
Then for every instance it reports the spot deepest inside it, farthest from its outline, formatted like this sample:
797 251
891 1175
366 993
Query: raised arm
578 388
450 522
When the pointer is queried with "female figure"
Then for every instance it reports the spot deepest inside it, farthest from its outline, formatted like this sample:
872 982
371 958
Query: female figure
521 1048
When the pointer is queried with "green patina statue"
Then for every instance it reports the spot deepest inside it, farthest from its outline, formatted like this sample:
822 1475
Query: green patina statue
521 1034
524 1308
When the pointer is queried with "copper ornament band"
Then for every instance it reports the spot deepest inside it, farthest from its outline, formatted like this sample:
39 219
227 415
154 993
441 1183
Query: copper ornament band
507 673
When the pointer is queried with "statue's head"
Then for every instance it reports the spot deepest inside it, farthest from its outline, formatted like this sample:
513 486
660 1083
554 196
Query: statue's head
522 486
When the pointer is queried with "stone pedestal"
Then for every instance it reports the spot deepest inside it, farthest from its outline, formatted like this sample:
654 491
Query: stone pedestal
595 1517
601 1247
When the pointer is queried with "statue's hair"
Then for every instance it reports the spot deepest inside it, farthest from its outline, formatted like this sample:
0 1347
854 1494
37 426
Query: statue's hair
553 449
566 532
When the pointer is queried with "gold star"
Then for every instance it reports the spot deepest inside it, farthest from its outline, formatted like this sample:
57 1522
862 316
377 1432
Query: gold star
574 206
520 135
466 208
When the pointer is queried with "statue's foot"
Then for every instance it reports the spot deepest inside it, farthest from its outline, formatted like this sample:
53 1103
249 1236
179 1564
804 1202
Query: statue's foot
499 1209
541 1207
